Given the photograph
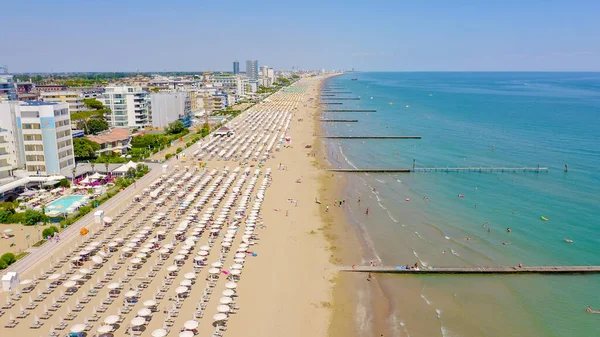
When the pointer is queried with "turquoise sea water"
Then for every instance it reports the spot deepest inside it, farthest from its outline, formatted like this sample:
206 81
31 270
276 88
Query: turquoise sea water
550 119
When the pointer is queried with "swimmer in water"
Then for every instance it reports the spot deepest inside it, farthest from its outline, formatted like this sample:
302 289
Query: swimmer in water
514 212
489 229
508 230
505 243
468 238
485 224
568 240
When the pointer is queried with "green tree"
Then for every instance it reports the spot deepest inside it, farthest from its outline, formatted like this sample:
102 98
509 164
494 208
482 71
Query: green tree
3 265
33 217
64 183
85 148
93 103
175 128
9 258
95 126
48 232
205 130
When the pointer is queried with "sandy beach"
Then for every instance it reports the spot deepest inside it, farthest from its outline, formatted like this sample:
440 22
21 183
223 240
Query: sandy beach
287 285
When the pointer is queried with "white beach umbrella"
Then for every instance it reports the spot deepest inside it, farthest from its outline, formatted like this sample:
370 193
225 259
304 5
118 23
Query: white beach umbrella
105 328
144 312
131 293
240 255
237 266
114 285
225 300
179 257
78 328
186 283
214 271
219 317
97 259
216 264
172 268
25 282
230 285
54 277
189 276
112 319
186 333
181 290
138 321
203 253
69 284
190 325
228 292
159 333
149 303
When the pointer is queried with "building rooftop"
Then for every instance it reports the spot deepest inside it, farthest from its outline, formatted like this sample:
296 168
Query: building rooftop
113 135
37 103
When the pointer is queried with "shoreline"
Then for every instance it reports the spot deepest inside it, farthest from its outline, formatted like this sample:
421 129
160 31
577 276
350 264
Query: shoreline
355 299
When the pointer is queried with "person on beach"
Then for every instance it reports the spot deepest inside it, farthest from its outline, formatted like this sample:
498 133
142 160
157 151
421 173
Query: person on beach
327 208
359 200
369 277
367 211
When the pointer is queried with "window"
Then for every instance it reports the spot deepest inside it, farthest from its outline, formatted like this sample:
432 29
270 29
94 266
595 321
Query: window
31 126
34 157
34 147
32 137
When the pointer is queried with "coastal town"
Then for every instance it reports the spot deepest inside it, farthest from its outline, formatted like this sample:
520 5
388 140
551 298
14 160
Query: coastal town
133 203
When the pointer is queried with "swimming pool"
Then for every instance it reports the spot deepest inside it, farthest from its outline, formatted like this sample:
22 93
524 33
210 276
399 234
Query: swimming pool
65 202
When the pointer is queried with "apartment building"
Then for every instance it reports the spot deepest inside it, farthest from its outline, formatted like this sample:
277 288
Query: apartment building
129 106
73 98
39 136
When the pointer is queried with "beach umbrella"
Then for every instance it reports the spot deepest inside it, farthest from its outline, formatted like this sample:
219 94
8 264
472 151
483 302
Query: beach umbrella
205 247
69 284
203 253
186 283
230 285
138 321
216 264
78 328
114 285
186 333
25 282
240 255
97 259
190 325
149 303
76 277
172 268
159 333
112 319
214 271
85 271
136 261
225 300
236 266
181 290
144 312
105 328
179 257
235 272
219 317
189 276
228 292
53 277
131 293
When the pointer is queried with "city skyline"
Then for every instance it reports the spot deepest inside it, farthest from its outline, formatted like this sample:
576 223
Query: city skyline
437 36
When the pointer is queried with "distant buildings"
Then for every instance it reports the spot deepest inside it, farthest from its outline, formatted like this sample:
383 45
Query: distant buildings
129 106
236 67
39 136
8 89
252 70
73 98
168 107
266 76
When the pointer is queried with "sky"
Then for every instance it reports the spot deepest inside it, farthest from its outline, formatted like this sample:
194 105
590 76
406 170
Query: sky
367 35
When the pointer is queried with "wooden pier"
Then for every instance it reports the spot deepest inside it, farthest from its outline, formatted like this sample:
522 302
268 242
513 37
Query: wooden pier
371 137
341 98
349 110
443 169
340 120
477 270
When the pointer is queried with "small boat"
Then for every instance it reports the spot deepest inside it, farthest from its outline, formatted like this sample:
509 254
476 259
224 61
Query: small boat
544 218
355 79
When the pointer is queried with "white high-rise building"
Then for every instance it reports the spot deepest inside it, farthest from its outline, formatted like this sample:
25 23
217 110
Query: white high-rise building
39 136
168 107
252 69
129 106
